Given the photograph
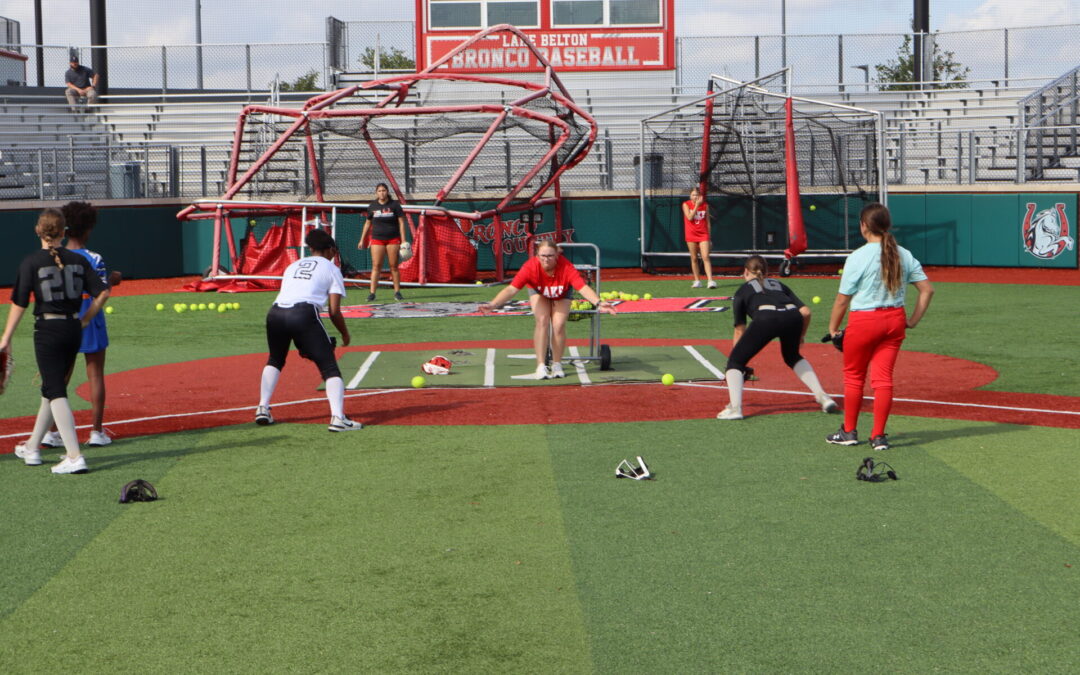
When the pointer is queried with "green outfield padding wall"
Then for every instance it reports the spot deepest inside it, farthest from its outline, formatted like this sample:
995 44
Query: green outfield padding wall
979 229
974 229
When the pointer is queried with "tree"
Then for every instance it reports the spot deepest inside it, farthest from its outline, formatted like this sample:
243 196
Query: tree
946 69
307 82
395 59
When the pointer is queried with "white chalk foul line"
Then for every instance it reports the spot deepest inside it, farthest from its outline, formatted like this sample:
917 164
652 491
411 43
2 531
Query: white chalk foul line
489 368
840 397
705 362
579 366
363 371
136 420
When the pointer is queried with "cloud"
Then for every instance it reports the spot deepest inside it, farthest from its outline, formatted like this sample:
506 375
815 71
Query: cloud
1010 14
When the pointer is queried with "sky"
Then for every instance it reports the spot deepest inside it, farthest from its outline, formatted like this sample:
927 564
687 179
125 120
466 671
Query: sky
172 22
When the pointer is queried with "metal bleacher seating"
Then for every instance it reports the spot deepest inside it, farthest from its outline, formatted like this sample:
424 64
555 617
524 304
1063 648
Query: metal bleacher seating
181 144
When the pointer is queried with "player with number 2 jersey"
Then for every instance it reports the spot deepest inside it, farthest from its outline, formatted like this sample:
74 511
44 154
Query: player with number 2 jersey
307 286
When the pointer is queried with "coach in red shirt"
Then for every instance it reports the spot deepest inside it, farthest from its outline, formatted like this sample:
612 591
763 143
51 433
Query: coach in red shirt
551 279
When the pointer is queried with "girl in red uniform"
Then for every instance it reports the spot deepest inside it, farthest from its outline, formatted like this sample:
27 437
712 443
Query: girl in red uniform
696 228
551 279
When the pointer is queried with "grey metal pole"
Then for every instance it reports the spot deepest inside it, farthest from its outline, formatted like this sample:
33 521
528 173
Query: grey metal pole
783 33
973 166
376 62
198 45
757 56
99 39
920 26
38 40
641 192
1006 57
840 61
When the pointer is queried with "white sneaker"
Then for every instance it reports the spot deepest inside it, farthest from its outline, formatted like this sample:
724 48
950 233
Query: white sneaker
541 373
68 465
696 284
711 284
557 371
343 424
30 457
729 413
52 439
263 416
98 438
829 406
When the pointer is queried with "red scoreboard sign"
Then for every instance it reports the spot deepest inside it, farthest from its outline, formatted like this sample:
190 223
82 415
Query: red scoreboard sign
607 35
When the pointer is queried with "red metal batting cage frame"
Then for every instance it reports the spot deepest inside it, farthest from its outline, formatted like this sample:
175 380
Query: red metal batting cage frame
571 133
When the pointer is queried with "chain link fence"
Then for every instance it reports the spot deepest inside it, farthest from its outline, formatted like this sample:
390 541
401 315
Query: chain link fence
830 63
172 68
90 168
93 165
820 62
378 46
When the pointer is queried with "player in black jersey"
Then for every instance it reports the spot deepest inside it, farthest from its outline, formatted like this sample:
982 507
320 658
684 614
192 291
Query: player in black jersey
776 312
384 232
57 277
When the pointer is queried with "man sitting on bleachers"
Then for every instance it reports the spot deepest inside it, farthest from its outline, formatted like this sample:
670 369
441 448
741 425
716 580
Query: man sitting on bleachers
81 81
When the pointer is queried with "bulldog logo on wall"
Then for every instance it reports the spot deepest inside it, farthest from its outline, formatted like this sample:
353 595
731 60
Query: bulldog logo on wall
1046 236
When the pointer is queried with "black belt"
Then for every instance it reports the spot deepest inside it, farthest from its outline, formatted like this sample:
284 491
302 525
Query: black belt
48 316
774 308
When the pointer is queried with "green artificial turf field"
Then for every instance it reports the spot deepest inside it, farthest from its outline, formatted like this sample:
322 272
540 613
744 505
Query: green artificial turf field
514 549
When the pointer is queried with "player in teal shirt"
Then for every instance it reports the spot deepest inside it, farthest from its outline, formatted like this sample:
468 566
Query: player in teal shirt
873 287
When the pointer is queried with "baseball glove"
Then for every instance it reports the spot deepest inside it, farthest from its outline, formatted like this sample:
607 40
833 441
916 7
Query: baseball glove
836 338
7 367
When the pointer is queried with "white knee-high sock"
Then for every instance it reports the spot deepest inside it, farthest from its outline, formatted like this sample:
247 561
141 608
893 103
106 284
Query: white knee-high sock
734 378
806 373
267 384
65 424
335 394
41 425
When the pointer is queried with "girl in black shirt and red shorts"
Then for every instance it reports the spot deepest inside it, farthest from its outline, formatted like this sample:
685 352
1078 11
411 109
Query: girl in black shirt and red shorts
386 226
57 277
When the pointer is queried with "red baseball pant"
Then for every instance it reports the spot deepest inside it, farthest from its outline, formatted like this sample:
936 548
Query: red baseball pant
872 340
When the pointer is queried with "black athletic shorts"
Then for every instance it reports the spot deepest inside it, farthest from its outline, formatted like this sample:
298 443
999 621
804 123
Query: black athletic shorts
302 326
56 346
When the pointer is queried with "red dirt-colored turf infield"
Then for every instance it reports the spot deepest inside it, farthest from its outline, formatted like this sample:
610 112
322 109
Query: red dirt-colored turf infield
205 394
210 393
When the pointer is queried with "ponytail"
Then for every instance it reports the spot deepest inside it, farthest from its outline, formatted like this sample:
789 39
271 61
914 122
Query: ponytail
54 251
877 220
890 264
50 227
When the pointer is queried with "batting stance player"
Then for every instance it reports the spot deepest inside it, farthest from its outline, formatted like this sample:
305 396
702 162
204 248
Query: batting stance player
308 285
776 313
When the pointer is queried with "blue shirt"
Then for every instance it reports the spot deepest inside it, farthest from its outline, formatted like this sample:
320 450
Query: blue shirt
862 278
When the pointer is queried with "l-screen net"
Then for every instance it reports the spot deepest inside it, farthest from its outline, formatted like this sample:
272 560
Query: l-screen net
732 144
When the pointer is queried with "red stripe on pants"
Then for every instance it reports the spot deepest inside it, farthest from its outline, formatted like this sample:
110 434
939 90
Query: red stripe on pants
872 340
